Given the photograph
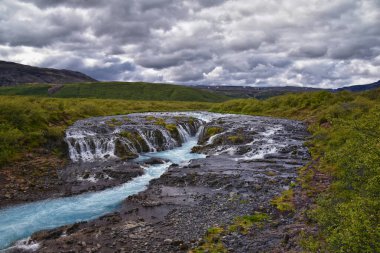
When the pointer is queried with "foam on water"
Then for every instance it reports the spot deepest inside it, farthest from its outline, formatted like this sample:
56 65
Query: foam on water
268 147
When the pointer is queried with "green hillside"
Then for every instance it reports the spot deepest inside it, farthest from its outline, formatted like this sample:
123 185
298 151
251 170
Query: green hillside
118 90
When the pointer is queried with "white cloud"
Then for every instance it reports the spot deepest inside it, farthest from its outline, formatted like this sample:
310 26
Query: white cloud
214 74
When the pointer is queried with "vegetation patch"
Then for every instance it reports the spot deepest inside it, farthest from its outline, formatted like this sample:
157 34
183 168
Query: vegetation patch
284 202
236 139
28 124
210 131
114 122
118 90
243 224
212 241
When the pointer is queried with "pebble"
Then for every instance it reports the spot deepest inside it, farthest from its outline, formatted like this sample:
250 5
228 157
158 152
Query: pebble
168 241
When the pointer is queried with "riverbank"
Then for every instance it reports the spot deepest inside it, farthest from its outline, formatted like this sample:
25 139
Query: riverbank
245 170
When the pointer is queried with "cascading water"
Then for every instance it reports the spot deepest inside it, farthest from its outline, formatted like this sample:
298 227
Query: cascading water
103 138
172 135
21 221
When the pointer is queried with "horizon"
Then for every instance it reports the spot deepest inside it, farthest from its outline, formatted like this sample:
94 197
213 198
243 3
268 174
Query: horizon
215 85
204 42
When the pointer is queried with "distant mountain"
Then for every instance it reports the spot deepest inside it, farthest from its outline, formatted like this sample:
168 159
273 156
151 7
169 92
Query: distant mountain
265 92
362 87
13 73
255 92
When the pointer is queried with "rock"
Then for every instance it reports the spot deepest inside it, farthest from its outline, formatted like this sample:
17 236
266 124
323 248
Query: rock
176 242
154 160
183 246
168 241
47 234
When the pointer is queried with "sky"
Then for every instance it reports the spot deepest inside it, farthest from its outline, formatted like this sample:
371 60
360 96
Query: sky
315 43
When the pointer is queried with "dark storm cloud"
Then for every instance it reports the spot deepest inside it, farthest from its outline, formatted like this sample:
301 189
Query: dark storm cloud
108 70
69 3
312 51
162 61
235 42
362 49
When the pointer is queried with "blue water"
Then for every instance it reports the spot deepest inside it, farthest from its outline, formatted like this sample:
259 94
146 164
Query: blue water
21 221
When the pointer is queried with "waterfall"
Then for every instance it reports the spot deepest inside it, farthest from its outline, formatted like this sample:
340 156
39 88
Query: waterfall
185 134
148 140
123 137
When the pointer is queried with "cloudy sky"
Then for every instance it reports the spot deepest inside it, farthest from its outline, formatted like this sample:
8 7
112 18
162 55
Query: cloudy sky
319 43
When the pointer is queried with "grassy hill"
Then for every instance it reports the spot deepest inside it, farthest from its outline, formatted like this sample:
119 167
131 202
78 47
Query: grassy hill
117 90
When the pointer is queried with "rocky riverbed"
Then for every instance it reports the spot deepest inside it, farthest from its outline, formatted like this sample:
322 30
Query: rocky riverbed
250 160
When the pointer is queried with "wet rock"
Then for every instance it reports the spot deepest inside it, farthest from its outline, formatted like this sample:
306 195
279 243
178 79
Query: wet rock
154 160
47 234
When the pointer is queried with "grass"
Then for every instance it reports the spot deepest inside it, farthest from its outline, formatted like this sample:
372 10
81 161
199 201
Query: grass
284 202
118 90
345 146
243 223
212 242
26 90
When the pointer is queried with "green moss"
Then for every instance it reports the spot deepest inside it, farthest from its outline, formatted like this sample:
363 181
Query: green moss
242 224
172 129
136 139
284 202
126 134
160 122
236 139
212 242
210 131
123 152
150 118
114 122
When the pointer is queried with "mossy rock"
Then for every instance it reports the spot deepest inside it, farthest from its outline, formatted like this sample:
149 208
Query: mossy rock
208 132
236 139
173 131
138 142
122 151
